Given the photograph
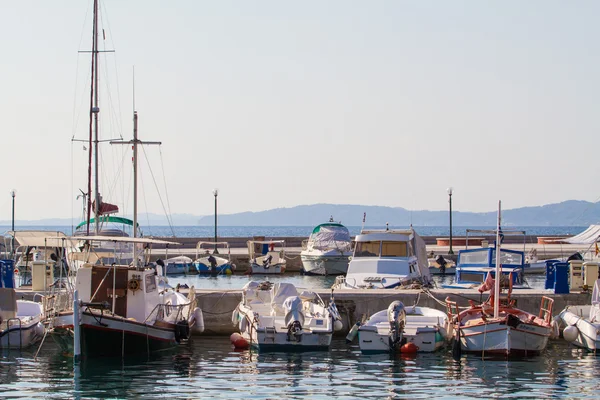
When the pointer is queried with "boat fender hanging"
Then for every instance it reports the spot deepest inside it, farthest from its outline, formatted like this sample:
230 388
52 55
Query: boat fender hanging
133 285
353 332
570 333
238 341
409 348
196 321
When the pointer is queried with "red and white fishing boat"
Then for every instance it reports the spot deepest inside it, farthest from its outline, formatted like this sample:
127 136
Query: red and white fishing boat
497 327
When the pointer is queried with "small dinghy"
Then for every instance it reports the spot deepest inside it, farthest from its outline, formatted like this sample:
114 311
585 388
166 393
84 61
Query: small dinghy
20 321
275 317
399 329
582 323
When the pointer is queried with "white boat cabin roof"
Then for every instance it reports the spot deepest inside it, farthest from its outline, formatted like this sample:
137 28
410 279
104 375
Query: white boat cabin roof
376 237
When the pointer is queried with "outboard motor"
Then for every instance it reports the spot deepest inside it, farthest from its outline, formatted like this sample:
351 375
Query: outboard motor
397 318
267 261
442 263
213 264
294 318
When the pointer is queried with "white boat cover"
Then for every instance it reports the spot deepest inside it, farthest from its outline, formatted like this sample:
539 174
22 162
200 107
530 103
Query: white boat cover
292 303
282 291
421 252
329 236
589 236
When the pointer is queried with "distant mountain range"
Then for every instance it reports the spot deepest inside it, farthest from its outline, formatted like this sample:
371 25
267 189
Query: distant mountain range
567 213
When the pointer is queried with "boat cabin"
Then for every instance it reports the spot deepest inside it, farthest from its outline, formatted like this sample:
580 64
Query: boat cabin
473 265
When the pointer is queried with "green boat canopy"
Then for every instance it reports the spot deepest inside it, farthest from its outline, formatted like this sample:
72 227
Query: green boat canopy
120 220
318 228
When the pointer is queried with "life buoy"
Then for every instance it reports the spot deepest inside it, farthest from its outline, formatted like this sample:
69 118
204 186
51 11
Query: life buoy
133 285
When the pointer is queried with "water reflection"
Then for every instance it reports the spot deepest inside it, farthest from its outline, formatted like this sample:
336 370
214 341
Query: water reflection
209 367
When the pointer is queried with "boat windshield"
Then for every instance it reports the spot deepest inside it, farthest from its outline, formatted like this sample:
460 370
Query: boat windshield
394 249
475 257
382 249
508 258
367 249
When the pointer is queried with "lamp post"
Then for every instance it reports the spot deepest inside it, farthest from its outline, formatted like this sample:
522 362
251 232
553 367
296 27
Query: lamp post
450 202
216 193
12 246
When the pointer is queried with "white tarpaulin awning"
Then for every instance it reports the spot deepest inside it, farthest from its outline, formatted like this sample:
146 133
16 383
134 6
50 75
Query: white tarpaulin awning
590 236
41 238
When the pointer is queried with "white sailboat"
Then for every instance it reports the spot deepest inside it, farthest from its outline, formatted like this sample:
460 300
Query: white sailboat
120 306
497 326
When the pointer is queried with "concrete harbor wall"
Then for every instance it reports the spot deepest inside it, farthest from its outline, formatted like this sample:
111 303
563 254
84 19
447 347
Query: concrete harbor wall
218 305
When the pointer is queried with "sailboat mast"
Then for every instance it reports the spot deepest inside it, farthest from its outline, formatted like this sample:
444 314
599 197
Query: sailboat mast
134 143
498 268
95 111
135 183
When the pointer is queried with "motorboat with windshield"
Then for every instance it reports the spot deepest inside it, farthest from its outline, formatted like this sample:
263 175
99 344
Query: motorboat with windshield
386 259
327 250
279 317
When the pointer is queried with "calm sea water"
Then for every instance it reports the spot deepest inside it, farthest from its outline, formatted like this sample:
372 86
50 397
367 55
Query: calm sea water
302 281
209 368
304 231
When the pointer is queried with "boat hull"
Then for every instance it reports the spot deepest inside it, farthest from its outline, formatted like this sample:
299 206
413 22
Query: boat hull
21 337
325 265
107 336
267 270
501 339
177 269
202 268
427 341
588 337
279 341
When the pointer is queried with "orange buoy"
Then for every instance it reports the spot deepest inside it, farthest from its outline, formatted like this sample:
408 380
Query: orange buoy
409 347
238 341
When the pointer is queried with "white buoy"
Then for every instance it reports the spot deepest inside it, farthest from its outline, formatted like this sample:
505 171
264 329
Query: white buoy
198 320
571 333
337 325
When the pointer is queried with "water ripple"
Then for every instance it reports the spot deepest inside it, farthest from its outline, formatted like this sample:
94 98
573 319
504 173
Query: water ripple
210 368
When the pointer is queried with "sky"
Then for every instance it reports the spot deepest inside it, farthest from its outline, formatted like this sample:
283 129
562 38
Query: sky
279 104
